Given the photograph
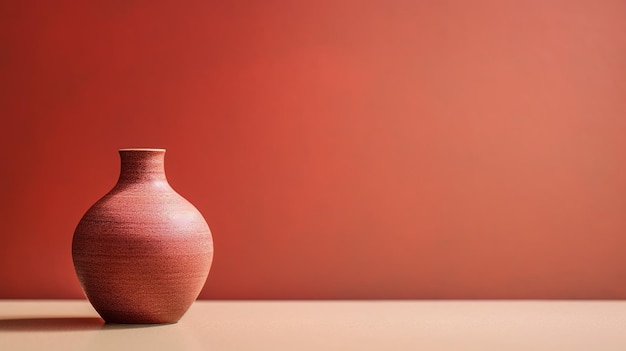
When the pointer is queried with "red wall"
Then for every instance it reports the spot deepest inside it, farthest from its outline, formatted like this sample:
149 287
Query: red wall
338 149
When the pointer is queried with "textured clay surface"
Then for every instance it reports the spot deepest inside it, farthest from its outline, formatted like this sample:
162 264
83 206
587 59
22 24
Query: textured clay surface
142 253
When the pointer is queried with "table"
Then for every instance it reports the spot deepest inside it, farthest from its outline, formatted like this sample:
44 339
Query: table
325 325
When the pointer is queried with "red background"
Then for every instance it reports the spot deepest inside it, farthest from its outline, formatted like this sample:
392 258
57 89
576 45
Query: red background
338 149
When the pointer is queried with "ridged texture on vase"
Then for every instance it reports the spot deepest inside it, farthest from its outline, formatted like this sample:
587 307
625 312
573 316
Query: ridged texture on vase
142 253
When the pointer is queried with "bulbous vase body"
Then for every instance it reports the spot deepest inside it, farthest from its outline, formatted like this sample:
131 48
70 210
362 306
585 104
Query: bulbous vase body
142 253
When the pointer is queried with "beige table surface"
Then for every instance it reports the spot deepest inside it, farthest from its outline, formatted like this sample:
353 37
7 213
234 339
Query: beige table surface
326 325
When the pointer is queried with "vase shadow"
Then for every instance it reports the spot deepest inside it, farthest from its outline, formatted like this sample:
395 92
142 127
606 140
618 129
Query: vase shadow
113 326
47 324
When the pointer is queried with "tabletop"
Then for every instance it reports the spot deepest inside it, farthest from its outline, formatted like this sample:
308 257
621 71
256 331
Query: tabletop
325 325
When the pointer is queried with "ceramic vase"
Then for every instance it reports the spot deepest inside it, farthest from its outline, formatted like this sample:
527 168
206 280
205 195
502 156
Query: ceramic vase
142 253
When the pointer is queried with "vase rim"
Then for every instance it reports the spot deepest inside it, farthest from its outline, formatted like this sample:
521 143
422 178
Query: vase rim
148 149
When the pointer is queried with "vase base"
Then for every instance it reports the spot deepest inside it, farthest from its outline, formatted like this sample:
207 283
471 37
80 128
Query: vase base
136 324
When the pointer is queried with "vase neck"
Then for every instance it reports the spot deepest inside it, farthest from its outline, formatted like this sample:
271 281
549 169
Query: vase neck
142 165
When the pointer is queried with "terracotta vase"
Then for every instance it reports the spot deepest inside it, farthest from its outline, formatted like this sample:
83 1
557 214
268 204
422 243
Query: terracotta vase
142 253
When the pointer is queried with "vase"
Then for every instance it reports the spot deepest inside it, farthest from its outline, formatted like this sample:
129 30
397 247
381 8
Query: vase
142 253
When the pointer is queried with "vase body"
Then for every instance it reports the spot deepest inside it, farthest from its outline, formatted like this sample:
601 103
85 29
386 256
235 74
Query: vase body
142 253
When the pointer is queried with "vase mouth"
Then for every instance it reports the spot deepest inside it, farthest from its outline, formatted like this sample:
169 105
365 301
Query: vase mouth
144 149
